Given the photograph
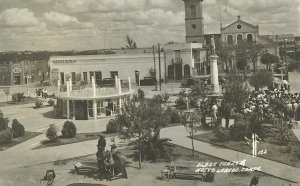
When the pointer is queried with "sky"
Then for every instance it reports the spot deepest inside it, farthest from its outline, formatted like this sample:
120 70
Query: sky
97 24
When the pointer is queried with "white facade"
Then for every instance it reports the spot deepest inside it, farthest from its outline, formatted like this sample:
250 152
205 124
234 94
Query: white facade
82 68
185 60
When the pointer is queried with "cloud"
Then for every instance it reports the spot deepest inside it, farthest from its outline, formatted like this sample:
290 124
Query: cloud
42 1
16 17
60 19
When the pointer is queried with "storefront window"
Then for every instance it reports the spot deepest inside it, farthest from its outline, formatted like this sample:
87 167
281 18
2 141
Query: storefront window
90 108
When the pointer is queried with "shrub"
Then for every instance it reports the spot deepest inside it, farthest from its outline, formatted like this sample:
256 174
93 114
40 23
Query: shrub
17 128
38 104
51 102
222 135
69 130
140 94
6 136
17 97
3 123
112 126
175 117
157 98
165 97
238 131
51 133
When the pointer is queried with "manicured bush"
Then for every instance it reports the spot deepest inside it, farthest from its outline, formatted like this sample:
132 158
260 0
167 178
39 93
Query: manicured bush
3 123
6 136
175 116
38 104
51 133
17 129
222 135
17 97
69 130
51 102
112 126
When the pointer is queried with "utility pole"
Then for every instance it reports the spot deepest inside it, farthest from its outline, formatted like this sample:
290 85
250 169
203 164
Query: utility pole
154 67
159 67
165 60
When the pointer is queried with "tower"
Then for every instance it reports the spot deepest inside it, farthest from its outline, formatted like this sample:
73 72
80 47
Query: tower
194 21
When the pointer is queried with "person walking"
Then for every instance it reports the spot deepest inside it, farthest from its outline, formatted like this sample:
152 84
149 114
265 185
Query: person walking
254 180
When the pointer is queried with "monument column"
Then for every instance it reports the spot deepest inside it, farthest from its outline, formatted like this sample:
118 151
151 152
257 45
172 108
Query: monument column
214 73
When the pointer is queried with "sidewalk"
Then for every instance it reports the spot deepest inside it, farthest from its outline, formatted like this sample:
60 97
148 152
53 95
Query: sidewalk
178 135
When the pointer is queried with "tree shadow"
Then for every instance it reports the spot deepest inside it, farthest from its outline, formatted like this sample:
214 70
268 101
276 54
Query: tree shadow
50 114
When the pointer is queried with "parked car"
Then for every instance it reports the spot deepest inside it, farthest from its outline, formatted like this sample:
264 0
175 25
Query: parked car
108 82
189 82
148 81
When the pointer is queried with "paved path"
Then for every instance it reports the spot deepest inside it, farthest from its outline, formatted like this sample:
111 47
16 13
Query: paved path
178 135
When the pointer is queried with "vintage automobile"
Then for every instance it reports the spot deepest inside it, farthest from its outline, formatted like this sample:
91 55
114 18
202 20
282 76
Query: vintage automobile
148 81
107 82
189 82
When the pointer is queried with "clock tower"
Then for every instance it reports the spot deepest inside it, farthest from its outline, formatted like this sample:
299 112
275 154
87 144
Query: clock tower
194 21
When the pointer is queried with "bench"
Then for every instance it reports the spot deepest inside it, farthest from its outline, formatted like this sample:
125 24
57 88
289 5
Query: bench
186 169
84 169
181 169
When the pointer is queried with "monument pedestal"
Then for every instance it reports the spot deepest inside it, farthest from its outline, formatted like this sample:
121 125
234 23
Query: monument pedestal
214 75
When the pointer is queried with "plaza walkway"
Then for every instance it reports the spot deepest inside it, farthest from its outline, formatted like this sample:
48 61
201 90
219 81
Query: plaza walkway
178 135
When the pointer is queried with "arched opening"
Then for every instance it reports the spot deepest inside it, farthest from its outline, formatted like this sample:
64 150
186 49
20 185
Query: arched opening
239 37
178 72
186 70
229 39
250 38
171 72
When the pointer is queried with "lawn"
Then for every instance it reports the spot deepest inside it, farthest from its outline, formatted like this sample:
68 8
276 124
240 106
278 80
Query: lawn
150 172
80 137
275 152
28 135
27 100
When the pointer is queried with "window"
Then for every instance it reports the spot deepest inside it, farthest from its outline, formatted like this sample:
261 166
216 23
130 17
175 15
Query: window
193 11
239 26
229 39
113 74
90 109
194 26
100 108
249 37
239 37
85 76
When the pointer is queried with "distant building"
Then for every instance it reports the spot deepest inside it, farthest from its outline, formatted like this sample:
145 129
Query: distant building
82 68
194 24
23 72
241 30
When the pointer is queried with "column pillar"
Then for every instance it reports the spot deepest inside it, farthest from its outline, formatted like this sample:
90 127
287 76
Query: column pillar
94 86
74 110
70 84
58 86
214 73
95 109
119 86
68 109
129 83
116 81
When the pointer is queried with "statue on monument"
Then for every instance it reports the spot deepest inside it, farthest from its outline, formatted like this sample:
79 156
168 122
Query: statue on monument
213 45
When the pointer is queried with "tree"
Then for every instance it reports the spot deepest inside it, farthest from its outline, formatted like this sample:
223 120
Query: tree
130 43
261 79
237 90
142 120
243 52
190 120
268 59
